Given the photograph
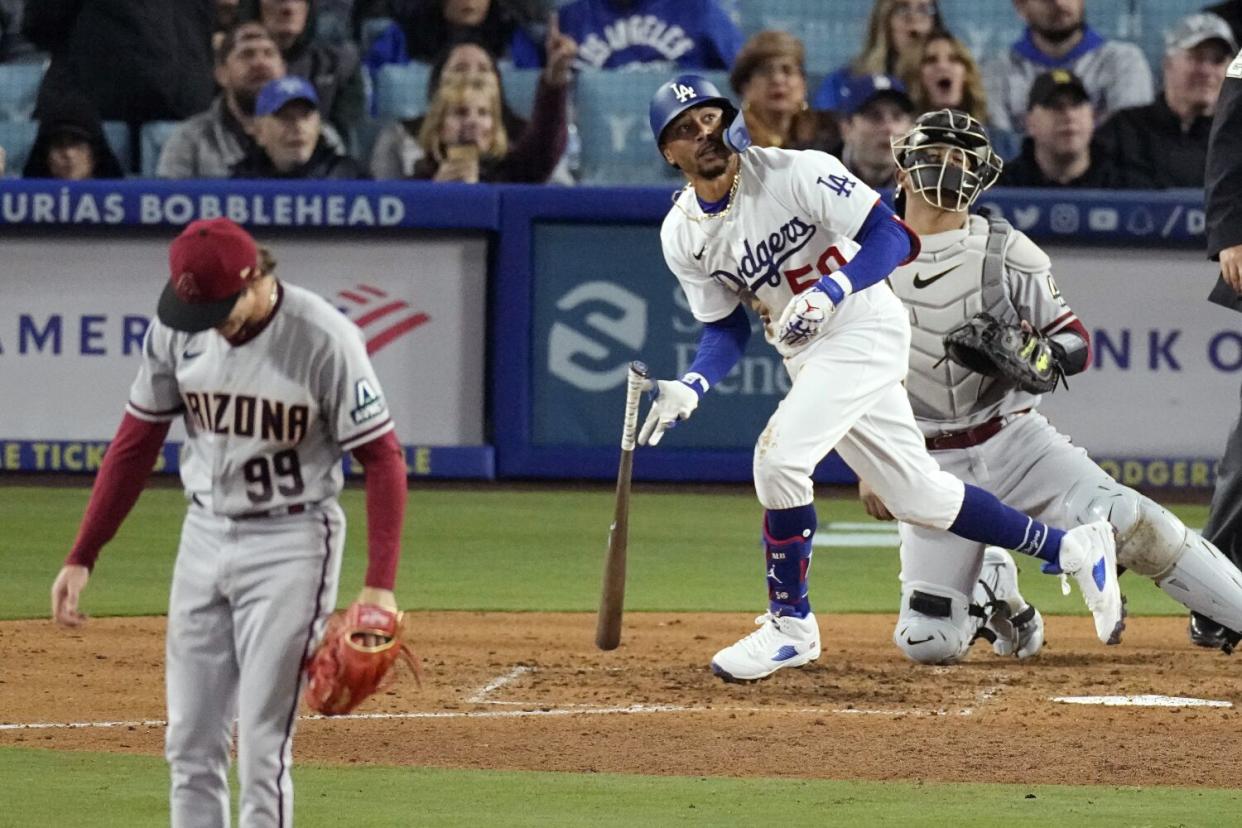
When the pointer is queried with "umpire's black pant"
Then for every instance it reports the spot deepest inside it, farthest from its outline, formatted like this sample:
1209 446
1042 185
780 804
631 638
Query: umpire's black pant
1224 523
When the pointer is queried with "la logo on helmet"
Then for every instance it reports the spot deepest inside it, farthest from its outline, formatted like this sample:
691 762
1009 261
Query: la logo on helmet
683 92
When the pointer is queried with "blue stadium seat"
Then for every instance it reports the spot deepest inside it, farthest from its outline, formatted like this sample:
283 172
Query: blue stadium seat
520 85
17 137
362 137
19 87
151 142
617 146
401 90
831 30
116 133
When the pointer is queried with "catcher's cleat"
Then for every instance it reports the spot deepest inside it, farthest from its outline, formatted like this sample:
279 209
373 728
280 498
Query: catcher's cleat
1204 632
780 641
1089 556
1010 624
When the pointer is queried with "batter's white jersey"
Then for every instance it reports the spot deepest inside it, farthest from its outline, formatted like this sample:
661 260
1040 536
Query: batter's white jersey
942 288
268 420
791 221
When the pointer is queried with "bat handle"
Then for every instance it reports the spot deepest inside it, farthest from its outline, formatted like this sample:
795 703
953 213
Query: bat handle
635 383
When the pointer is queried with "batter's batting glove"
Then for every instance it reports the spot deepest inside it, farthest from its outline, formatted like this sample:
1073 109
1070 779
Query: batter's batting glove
803 319
671 400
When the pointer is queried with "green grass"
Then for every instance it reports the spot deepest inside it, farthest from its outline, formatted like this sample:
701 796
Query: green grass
96 790
499 549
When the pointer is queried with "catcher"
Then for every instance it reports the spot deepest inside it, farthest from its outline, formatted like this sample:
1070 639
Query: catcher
991 333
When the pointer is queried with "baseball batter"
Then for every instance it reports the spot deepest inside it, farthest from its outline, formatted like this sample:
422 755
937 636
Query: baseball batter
273 385
803 243
988 432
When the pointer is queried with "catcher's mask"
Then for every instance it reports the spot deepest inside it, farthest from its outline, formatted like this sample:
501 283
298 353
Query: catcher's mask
948 157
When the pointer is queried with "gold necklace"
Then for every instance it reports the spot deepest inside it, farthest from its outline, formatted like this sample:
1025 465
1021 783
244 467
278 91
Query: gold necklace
737 178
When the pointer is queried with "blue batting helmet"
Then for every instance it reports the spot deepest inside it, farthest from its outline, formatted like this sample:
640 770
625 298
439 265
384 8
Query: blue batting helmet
686 92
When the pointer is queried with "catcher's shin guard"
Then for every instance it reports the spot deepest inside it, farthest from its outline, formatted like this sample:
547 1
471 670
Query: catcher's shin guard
1206 582
1152 541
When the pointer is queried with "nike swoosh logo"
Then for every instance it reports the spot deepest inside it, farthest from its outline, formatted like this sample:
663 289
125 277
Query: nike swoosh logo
912 642
699 255
922 283
187 355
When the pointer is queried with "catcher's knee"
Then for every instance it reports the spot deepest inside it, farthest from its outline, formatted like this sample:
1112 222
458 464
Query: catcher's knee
1150 538
935 626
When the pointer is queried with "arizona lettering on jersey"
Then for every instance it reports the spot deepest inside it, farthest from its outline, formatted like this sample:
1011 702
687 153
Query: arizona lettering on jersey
267 421
791 221
247 416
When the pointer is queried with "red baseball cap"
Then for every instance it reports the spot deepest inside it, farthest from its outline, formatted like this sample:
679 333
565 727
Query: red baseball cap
209 265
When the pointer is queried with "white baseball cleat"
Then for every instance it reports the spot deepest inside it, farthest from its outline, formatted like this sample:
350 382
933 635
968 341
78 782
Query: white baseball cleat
1089 556
1012 625
780 641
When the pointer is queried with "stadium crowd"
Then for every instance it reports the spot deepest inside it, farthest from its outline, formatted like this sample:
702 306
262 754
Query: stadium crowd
288 88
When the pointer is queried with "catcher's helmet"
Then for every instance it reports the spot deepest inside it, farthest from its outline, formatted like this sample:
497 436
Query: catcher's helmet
686 92
949 158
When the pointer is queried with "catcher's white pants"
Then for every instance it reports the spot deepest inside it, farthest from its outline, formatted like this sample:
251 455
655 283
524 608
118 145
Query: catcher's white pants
847 394
1027 464
249 600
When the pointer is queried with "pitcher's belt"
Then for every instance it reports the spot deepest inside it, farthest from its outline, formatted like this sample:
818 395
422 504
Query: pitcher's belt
974 435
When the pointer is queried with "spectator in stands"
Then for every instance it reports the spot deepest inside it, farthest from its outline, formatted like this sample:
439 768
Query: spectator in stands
334 69
228 14
135 61
1231 12
71 145
288 134
877 110
464 139
422 28
397 148
1164 144
690 34
894 28
770 76
13 44
1114 73
1058 151
941 73
210 143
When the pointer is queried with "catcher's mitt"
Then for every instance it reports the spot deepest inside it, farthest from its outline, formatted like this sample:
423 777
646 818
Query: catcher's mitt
1021 357
345 669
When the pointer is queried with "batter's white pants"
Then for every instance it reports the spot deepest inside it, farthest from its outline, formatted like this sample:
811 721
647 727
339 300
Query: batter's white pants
847 394
249 600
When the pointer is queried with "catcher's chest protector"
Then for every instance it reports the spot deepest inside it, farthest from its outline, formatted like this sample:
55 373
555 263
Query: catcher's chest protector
942 289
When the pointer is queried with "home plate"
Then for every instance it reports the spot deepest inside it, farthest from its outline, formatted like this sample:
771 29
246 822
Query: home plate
1142 701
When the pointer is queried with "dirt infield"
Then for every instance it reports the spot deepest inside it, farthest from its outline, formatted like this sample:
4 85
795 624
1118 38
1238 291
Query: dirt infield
529 691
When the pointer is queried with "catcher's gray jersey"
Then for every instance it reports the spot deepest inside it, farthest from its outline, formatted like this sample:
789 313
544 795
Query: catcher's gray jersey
267 420
942 288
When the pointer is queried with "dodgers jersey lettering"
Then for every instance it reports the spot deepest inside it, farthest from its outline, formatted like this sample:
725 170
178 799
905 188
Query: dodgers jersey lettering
791 221
941 290
267 421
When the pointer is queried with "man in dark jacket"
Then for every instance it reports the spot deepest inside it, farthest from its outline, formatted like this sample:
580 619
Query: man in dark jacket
136 60
1058 150
288 134
1223 199
1164 144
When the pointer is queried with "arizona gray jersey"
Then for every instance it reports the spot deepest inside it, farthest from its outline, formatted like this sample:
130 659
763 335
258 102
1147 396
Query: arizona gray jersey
1114 73
268 420
942 288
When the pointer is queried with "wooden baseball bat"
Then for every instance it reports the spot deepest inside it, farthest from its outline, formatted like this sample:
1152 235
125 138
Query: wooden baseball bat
612 598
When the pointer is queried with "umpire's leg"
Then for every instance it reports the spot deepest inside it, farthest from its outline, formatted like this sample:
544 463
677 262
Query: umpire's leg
1225 517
